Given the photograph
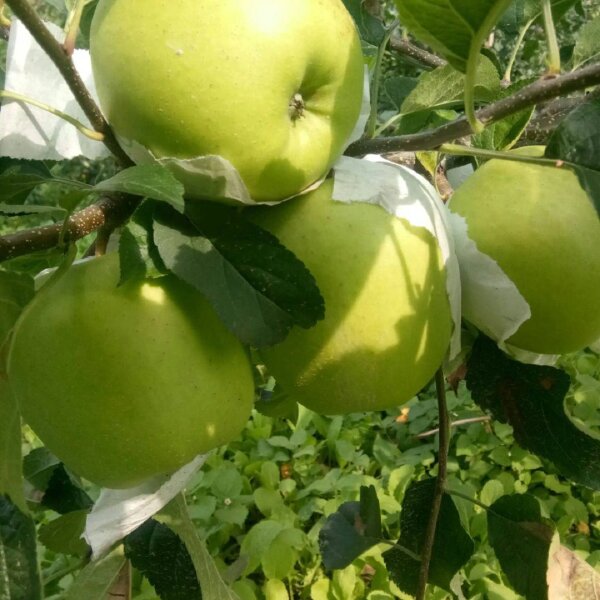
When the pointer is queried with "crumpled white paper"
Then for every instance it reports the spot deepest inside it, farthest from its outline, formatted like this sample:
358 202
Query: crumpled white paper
32 133
409 196
490 298
117 513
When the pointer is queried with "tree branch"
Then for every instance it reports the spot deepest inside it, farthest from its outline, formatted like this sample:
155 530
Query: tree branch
417 54
55 51
109 213
540 91
440 484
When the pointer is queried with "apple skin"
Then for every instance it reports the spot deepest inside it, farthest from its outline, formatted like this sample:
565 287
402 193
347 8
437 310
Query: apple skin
387 321
124 383
540 227
216 77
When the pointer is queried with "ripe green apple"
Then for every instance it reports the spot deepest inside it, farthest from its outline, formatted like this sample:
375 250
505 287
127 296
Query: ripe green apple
538 224
387 318
273 86
124 383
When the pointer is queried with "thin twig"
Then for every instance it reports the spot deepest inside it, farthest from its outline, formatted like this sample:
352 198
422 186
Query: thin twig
55 51
468 421
108 212
440 484
417 54
540 91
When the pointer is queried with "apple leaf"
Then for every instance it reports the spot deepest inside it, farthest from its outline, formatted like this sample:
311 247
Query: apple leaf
149 181
96 579
138 255
531 399
520 537
451 26
19 575
352 530
371 28
503 134
63 494
16 184
257 286
587 46
63 535
577 141
160 555
398 88
444 88
452 546
522 11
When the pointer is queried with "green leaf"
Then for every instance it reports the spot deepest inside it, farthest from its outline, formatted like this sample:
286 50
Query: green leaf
587 46
399 88
503 134
452 545
64 494
63 535
522 11
11 479
451 26
18 210
352 530
531 399
39 466
149 181
95 580
19 576
138 255
176 517
16 290
17 182
577 141
257 286
371 28
521 539
160 555
444 88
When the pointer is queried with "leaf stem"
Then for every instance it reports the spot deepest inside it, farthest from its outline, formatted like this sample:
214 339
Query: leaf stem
23 10
506 79
460 150
376 81
89 133
440 484
477 42
72 27
553 49
467 498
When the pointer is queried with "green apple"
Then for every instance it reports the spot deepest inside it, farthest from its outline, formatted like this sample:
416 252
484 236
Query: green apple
124 383
387 318
540 227
273 86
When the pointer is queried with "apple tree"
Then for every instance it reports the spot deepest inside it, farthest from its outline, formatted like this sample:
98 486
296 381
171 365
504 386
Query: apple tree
343 217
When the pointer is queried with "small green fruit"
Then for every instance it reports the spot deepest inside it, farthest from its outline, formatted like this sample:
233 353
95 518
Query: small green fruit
540 227
273 86
387 319
124 383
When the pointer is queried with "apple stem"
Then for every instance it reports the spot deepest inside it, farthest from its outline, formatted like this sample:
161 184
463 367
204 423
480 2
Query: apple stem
440 483
24 11
89 133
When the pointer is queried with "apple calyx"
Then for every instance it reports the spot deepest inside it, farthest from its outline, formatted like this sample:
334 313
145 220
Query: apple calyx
296 106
